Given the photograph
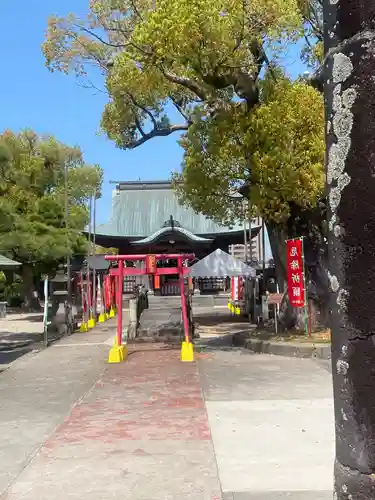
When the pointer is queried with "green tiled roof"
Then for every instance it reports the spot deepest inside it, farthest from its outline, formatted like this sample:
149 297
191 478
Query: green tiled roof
141 208
6 263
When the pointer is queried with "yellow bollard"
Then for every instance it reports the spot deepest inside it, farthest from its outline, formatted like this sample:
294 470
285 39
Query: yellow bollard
83 327
187 352
117 352
91 323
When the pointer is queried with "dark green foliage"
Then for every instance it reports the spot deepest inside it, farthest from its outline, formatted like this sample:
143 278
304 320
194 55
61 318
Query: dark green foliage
32 199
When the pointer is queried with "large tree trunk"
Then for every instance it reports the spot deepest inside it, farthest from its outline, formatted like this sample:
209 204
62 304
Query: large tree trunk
350 119
9 276
277 234
310 225
31 301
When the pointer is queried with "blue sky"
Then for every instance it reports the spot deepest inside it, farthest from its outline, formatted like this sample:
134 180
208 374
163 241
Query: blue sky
32 97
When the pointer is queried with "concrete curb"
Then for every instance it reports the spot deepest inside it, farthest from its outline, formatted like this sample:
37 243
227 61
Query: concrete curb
288 349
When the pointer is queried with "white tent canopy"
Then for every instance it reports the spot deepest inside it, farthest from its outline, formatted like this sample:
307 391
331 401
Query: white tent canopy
220 264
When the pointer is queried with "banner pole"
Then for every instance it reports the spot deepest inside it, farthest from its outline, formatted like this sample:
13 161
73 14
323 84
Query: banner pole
306 313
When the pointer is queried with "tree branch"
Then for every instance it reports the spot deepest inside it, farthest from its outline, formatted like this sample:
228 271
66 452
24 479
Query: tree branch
91 86
188 83
312 17
136 10
139 126
100 39
143 108
240 37
180 109
95 57
158 132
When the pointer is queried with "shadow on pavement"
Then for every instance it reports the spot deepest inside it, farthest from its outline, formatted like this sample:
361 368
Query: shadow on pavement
218 319
11 337
35 318
7 357
222 343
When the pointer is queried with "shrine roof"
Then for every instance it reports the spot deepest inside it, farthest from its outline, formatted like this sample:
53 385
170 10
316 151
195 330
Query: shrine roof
139 209
169 230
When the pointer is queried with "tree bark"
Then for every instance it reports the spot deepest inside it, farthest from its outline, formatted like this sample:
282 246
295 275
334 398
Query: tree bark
31 300
350 124
277 235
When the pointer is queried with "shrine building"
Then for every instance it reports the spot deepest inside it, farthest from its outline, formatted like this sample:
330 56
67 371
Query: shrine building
147 218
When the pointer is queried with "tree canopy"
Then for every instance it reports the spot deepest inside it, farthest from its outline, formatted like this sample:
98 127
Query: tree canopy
170 53
278 148
32 198
209 70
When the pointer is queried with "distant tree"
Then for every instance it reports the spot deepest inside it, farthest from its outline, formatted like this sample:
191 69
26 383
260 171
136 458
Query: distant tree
99 250
32 203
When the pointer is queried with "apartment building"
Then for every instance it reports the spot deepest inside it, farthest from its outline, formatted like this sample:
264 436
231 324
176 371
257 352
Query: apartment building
256 249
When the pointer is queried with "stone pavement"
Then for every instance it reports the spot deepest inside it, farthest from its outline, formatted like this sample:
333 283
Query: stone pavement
20 333
271 420
162 319
75 427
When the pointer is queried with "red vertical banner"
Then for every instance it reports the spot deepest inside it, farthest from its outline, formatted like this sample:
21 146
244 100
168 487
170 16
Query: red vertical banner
113 291
89 290
107 292
150 264
295 271
235 289
157 282
83 295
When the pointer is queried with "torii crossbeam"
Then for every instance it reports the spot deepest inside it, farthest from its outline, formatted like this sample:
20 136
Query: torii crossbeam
119 351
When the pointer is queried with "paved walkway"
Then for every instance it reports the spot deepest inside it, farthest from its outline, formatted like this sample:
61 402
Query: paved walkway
20 333
74 427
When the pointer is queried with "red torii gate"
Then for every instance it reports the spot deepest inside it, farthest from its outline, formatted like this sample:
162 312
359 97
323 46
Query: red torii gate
118 352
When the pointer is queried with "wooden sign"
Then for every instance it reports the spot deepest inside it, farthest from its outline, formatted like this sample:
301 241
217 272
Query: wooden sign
275 298
150 264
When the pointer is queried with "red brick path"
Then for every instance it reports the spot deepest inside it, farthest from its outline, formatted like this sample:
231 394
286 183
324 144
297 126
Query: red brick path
151 396
141 432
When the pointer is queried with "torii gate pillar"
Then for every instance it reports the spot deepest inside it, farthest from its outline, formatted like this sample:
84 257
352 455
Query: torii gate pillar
119 351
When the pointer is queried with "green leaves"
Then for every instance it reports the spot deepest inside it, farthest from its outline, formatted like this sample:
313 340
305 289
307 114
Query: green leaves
151 52
210 61
32 202
279 148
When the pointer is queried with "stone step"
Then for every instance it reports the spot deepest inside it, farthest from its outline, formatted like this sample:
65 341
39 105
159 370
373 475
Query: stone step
209 300
162 320
164 302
